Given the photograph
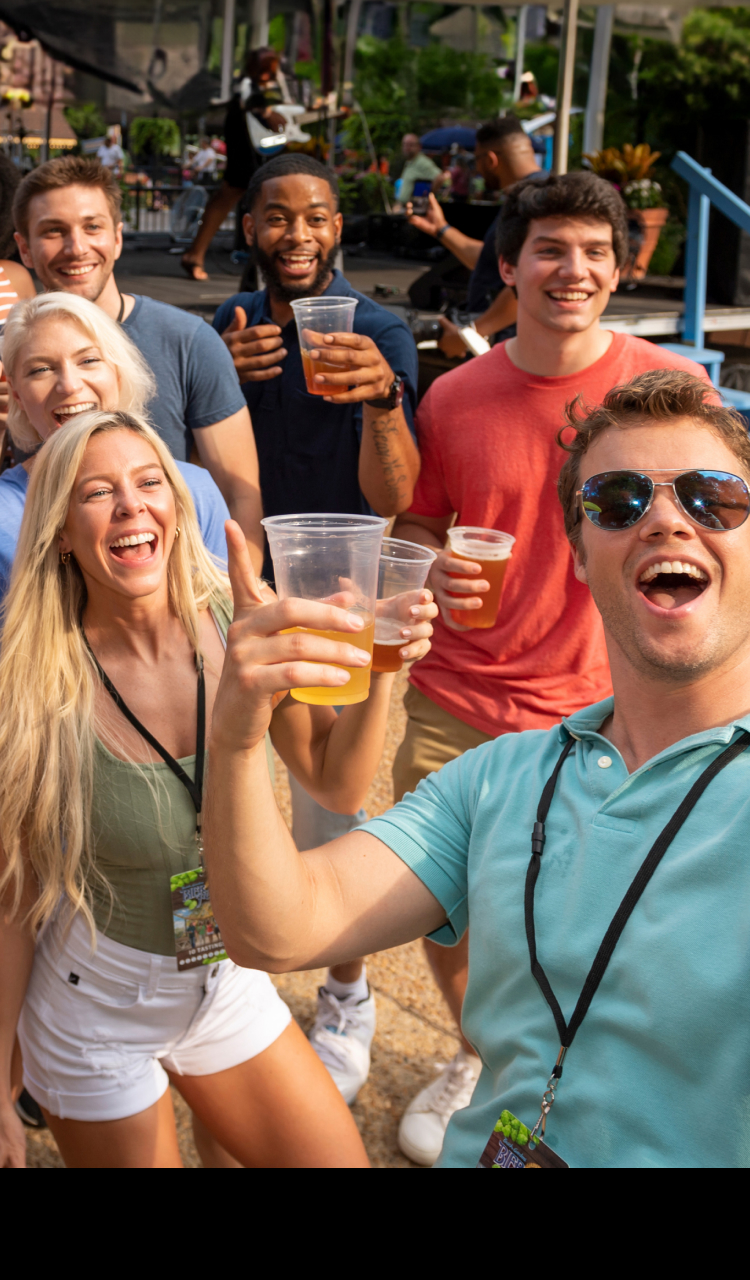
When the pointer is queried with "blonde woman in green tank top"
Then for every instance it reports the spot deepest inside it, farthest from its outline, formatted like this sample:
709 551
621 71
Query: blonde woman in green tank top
117 617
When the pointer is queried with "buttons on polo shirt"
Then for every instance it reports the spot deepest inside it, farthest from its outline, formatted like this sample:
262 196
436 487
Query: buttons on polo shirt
604 762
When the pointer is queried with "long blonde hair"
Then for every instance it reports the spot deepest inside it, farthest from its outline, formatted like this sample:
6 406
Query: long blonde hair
136 381
48 679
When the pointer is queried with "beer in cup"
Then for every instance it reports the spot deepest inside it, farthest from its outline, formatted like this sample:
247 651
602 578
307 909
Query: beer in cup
403 572
491 550
316 317
333 559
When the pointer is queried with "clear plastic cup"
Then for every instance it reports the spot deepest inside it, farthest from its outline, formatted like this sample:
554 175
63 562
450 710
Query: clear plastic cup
334 559
403 572
315 317
490 549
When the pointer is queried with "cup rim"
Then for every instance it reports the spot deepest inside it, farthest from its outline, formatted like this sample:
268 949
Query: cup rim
324 302
502 539
427 553
322 521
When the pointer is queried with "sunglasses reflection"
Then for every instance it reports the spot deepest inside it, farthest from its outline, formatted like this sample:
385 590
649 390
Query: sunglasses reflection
715 500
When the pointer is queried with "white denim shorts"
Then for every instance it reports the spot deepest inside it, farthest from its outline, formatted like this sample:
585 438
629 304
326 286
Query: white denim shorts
98 1030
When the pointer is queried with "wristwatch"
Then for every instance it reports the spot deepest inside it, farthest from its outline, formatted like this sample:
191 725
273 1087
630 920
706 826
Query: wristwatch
393 399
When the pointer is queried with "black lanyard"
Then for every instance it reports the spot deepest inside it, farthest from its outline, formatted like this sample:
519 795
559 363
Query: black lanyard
194 788
567 1030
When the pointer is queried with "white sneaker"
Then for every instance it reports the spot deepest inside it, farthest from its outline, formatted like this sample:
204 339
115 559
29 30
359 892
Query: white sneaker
423 1124
341 1037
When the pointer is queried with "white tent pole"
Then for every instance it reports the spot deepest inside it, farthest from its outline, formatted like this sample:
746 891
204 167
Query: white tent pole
593 125
352 22
227 51
565 73
520 45
259 37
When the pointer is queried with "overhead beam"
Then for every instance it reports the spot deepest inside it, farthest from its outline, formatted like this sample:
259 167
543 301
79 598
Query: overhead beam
565 73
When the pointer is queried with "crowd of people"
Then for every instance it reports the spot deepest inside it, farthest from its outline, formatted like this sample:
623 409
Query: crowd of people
146 660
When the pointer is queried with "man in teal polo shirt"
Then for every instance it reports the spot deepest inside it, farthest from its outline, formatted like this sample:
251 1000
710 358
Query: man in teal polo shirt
655 499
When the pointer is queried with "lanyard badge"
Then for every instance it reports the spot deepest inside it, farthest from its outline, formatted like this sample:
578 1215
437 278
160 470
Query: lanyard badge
512 1145
196 934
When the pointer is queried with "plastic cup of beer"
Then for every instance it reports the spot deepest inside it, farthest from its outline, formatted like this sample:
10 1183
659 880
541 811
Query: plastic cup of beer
316 317
333 559
491 550
403 572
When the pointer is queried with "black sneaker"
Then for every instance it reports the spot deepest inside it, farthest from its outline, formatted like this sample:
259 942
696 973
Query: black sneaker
29 1111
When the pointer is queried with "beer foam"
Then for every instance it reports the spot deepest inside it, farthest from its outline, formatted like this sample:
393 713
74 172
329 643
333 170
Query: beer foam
474 549
388 631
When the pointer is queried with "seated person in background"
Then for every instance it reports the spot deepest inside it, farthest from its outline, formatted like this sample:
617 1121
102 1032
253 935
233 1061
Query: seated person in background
347 452
203 163
101 797
65 356
69 229
418 168
655 498
503 155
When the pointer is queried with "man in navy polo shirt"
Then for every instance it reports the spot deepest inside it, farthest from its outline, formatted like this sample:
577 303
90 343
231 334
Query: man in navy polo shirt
353 452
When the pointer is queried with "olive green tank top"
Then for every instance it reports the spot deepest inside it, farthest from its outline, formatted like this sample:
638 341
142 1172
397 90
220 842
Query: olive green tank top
143 832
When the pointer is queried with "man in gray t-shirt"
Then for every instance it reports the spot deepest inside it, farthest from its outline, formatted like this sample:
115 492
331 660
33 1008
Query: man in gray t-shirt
68 228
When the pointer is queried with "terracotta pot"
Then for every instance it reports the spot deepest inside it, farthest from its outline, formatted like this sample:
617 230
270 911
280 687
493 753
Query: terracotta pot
652 221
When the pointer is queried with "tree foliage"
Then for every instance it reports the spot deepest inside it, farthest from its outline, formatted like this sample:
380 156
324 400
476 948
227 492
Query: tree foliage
403 89
154 137
85 119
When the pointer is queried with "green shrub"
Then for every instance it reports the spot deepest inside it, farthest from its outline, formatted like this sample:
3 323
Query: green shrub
154 136
85 119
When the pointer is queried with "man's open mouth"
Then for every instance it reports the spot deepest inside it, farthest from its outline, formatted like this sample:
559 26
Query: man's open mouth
297 264
65 412
672 583
134 546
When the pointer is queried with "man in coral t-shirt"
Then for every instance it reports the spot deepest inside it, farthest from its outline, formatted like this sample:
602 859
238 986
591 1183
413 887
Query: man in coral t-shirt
490 458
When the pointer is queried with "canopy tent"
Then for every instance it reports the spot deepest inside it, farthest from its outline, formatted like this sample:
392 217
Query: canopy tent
444 139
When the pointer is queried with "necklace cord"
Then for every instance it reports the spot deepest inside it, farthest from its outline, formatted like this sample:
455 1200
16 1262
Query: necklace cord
194 788
567 1031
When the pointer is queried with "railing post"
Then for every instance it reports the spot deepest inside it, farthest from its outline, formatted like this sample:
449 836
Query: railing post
696 266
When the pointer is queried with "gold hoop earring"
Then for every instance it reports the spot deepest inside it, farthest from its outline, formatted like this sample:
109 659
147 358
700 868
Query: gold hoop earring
177 532
64 557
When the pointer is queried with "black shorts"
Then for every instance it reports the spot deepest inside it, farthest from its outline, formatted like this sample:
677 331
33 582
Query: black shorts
242 158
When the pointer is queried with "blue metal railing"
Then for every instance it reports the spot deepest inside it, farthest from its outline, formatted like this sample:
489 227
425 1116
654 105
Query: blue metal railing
705 190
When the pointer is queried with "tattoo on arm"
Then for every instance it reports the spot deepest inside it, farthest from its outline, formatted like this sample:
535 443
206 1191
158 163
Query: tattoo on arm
385 434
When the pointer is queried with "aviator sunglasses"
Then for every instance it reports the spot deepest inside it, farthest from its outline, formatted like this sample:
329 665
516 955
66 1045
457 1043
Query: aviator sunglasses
616 500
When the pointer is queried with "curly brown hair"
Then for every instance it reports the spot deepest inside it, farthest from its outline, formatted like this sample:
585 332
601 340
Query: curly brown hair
661 395
567 195
66 171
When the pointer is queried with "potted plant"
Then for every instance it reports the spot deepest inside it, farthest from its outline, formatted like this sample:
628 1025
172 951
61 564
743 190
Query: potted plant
629 171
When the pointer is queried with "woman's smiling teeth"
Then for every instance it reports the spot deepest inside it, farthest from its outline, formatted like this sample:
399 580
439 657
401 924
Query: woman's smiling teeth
568 295
66 411
135 540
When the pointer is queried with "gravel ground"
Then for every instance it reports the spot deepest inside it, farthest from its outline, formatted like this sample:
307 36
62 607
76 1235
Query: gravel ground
414 1031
